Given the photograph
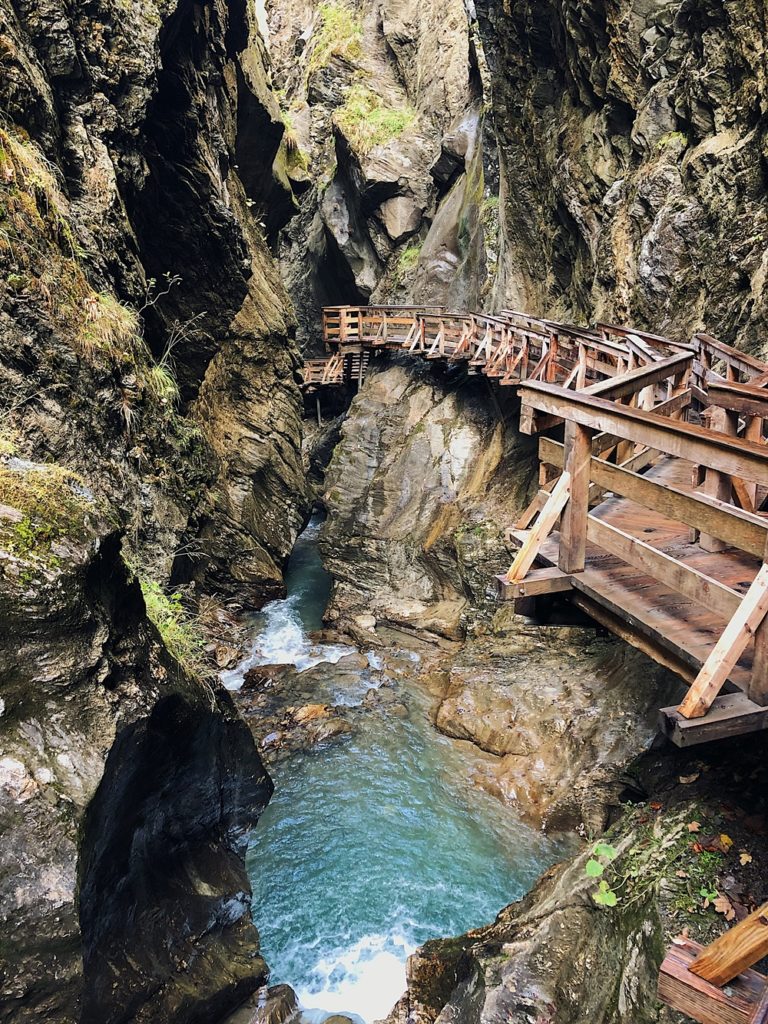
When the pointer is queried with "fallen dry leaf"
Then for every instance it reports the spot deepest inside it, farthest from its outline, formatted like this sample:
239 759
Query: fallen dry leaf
688 779
682 874
694 826
655 806
745 858
726 840
723 906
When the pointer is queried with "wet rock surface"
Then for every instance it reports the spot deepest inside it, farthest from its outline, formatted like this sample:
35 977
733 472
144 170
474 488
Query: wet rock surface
418 456
127 790
632 186
563 709
123 134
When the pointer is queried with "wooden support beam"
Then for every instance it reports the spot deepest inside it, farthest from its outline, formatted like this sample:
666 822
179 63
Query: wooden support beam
728 648
731 714
684 440
676 575
745 399
641 377
744 530
538 582
540 530
573 529
734 951
707 1003
717 484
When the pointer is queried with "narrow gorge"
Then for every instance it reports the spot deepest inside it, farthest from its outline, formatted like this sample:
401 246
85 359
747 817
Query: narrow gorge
277 743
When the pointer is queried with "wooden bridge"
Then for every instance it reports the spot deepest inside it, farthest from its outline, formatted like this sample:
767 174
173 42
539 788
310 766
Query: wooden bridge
653 475
649 516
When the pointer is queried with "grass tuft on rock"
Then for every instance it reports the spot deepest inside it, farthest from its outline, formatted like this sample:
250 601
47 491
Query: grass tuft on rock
366 121
339 34
179 629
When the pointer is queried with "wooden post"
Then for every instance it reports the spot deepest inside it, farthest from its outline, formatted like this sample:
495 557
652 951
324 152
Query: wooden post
360 371
728 649
573 527
738 948
319 414
718 485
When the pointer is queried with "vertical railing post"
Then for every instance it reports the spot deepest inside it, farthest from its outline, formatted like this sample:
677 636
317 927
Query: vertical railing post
342 325
718 485
573 525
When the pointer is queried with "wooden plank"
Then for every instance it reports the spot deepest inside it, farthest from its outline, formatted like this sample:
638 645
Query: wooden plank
676 575
734 456
758 684
537 582
742 398
728 648
731 714
540 530
744 530
707 1003
617 624
573 529
641 377
734 951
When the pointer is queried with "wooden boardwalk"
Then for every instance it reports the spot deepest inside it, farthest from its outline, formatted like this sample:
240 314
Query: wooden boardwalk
653 476
649 516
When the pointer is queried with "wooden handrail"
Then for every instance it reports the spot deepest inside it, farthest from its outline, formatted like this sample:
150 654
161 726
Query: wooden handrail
734 456
641 377
738 528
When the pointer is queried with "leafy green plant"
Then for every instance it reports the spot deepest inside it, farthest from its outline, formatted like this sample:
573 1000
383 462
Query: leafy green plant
366 120
602 855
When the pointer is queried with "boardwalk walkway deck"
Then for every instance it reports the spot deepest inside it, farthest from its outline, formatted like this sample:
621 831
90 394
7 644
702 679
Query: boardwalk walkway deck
649 511
649 516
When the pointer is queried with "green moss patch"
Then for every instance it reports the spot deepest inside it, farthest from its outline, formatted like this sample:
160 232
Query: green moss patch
41 506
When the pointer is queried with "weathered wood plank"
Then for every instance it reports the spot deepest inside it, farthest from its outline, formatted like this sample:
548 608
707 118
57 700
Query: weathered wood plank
641 377
706 1003
744 530
731 714
742 398
537 582
734 951
672 573
734 456
540 530
573 528
728 648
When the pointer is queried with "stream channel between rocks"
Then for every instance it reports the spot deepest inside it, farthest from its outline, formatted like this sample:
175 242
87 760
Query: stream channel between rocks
376 842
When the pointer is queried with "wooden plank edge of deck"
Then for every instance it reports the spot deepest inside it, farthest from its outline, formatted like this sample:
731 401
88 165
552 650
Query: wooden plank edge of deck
731 714
682 990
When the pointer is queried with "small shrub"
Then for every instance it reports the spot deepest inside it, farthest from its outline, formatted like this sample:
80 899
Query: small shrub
109 326
366 121
408 258
52 501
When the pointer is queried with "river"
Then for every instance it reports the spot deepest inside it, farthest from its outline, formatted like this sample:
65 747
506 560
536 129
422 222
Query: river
374 845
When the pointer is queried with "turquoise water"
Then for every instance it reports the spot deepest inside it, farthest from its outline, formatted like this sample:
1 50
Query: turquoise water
372 846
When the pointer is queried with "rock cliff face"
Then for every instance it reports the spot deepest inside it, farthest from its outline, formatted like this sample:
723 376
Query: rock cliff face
135 163
419 456
127 789
632 142
148 398
385 113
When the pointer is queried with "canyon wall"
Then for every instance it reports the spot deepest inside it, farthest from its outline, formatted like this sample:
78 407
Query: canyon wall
149 414
632 140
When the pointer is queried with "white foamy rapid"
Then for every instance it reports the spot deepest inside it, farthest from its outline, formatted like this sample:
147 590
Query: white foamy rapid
365 980
282 640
